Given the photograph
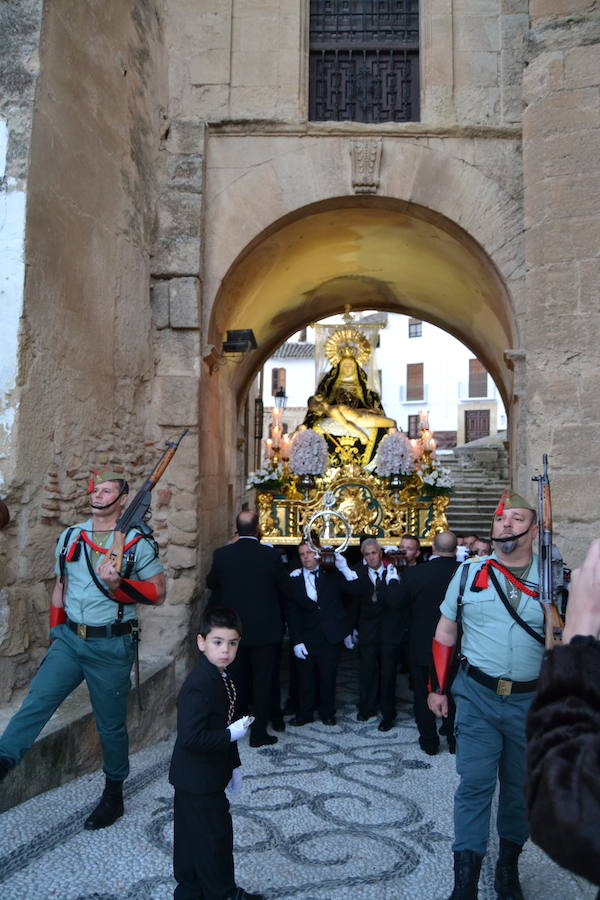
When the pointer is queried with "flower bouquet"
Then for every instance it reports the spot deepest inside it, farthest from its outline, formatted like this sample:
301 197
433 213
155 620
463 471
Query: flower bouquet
394 456
435 480
270 477
308 453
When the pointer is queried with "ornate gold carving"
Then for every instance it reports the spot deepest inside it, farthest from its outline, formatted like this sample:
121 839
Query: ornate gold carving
366 502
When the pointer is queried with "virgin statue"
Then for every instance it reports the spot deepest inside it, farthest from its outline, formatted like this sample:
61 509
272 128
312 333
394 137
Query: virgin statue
346 411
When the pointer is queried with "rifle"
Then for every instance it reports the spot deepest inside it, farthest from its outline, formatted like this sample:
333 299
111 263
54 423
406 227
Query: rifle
554 622
135 514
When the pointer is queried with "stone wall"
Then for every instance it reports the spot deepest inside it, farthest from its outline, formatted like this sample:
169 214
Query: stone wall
561 136
86 361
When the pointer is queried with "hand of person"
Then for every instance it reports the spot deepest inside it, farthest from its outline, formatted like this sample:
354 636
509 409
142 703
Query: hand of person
391 573
235 785
348 642
342 566
238 728
109 575
355 637
438 704
300 651
583 608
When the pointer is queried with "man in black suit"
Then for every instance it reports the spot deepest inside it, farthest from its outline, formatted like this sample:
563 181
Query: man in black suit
381 625
319 622
250 578
422 589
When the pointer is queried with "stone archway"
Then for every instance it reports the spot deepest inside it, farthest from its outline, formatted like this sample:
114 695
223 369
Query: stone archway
363 253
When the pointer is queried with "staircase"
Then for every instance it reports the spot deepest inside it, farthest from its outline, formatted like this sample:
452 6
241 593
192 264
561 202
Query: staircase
480 473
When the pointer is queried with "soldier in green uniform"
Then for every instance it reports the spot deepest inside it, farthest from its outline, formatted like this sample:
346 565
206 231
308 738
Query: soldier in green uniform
92 618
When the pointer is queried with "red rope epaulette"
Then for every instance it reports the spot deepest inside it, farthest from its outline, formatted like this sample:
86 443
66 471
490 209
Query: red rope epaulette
481 580
84 537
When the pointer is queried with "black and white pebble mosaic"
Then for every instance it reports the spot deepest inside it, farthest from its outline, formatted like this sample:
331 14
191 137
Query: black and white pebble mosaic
328 813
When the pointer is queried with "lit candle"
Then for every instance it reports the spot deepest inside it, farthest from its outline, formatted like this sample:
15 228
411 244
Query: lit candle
269 444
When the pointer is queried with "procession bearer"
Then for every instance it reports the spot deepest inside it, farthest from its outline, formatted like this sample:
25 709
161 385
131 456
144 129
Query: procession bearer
501 652
92 620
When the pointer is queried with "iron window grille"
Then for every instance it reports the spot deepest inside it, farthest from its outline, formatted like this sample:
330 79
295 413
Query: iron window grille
364 60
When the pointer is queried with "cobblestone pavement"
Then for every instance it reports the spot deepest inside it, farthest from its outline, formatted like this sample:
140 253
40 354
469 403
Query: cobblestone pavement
327 813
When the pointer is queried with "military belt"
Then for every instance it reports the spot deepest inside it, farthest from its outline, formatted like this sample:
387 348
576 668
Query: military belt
501 686
108 631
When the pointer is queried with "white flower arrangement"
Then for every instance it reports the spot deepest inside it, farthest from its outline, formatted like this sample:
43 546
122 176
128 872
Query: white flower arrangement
268 477
308 453
438 478
394 455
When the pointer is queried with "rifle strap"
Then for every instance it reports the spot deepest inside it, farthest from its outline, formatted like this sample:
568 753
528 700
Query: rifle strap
512 612
459 605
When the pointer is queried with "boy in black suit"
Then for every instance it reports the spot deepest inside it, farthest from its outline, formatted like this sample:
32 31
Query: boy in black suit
205 762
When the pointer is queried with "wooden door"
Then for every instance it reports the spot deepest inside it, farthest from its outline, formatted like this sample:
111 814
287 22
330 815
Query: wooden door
477 424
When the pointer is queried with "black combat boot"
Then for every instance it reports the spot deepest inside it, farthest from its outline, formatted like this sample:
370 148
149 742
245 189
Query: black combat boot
6 765
241 894
506 881
109 809
467 865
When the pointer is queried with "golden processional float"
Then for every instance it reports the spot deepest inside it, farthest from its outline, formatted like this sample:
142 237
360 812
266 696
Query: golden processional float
348 464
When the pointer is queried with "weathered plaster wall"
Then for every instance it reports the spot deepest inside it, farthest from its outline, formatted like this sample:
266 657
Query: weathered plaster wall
561 132
86 361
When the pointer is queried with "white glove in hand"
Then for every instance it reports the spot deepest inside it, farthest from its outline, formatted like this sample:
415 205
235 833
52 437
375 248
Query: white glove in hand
300 651
348 642
238 729
235 785
391 573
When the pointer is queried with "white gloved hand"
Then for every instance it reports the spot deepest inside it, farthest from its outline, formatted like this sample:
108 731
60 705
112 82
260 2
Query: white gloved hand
342 566
348 642
238 728
390 573
235 785
300 651
355 637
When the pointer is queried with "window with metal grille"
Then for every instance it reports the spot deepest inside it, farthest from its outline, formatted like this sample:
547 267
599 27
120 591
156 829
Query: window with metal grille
414 381
477 379
413 426
415 328
277 380
364 60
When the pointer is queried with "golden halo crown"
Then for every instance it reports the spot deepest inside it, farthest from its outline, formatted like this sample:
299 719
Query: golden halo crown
347 342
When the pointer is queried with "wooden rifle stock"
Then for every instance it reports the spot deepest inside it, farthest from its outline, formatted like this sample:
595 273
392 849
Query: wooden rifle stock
553 621
139 506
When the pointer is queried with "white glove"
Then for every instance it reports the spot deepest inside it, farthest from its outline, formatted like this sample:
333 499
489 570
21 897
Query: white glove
348 642
235 785
300 651
390 573
239 728
342 566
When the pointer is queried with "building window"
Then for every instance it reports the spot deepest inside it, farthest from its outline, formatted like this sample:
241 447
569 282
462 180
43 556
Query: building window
414 381
364 60
413 426
277 380
477 379
415 328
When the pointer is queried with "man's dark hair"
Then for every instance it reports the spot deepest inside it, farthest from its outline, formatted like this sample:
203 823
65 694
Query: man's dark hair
412 537
219 617
123 485
246 523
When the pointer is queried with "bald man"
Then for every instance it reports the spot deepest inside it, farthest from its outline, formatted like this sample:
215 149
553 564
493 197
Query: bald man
422 590
249 577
